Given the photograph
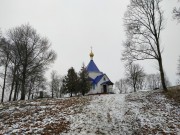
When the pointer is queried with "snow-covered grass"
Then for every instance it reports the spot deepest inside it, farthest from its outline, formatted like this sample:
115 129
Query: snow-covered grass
151 113
102 116
45 116
144 112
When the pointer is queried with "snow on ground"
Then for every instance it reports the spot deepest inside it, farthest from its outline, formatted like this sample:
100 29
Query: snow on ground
102 116
138 113
45 116
141 113
151 113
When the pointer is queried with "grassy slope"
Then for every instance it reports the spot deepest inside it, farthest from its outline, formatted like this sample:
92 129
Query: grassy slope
173 94
47 116
152 112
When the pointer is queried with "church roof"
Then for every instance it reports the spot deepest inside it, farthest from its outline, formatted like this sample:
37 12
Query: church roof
92 67
98 78
107 82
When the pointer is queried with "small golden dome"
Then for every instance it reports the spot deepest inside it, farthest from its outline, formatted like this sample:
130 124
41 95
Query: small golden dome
91 54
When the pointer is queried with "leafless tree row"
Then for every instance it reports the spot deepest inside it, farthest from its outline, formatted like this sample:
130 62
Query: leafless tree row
134 79
147 82
24 56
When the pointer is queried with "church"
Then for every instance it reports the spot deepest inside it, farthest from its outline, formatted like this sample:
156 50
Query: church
99 81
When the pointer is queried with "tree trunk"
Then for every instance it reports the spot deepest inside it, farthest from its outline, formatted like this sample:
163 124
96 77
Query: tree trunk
23 83
60 94
134 84
161 66
12 85
30 89
134 88
15 92
18 89
4 83
162 74
29 94
83 93
71 94
23 89
52 93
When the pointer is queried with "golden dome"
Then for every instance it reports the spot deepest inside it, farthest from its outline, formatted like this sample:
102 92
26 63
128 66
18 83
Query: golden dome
91 54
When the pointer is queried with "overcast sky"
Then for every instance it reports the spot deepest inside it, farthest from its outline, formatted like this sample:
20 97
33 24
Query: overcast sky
73 26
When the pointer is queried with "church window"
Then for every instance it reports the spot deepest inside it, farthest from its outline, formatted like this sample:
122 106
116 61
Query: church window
93 87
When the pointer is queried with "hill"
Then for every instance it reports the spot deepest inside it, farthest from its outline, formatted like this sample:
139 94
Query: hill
151 112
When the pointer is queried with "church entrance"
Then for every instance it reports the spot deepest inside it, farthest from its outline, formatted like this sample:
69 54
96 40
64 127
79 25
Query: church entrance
105 88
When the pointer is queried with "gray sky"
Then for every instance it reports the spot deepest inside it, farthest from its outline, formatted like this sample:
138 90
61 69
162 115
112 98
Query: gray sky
73 26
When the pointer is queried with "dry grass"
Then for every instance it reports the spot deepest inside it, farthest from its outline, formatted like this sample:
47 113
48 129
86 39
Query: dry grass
47 116
173 94
158 112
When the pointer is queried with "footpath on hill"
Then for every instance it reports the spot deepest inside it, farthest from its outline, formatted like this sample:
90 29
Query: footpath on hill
102 116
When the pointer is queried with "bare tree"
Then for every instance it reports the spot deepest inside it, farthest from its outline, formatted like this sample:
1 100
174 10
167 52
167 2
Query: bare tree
119 85
33 52
144 22
52 84
13 73
56 84
59 83
17 85
4 60
135 74
122 85
153 81
176 13
37 83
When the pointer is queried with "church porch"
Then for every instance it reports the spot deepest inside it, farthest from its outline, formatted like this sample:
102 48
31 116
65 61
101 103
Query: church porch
106 87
